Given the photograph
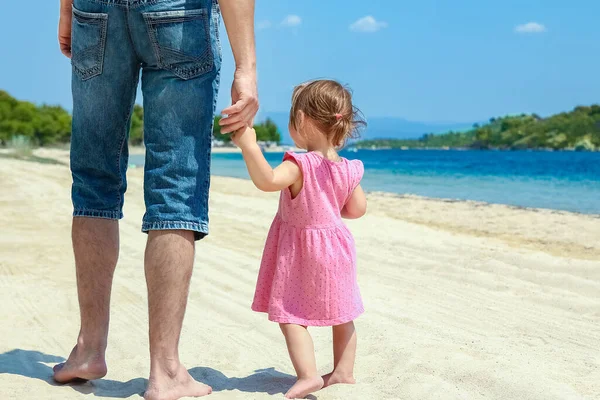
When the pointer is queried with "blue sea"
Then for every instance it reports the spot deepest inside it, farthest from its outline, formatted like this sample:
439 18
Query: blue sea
556 180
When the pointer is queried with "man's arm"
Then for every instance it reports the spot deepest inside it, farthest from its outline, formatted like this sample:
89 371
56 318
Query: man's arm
64 27
238 16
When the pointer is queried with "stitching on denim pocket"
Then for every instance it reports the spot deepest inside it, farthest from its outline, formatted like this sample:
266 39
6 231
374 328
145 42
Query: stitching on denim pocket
185 66
94 53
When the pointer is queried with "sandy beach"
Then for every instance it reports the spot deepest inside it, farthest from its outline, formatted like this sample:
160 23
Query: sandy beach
464 300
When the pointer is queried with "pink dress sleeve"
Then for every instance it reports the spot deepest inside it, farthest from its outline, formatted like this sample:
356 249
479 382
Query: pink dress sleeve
295 157
300 160
356 171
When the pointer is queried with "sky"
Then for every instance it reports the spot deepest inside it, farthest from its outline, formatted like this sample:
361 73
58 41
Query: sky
421 60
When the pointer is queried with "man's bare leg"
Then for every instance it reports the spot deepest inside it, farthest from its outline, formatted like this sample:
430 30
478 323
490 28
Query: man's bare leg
168 263
96 248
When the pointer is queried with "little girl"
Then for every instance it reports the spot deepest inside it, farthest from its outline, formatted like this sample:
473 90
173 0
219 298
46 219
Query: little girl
308 272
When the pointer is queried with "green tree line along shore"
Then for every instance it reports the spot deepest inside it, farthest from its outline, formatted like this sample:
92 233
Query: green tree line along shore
579 129
44 125
575 130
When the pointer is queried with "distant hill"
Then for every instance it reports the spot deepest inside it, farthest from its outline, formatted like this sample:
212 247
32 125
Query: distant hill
578 129
378 127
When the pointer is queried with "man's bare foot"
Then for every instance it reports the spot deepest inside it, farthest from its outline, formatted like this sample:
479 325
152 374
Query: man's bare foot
81 365
174 386
335 378
304 387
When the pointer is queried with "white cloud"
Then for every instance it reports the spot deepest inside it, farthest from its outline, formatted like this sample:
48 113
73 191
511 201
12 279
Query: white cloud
367 24
530 27
291 20
265 24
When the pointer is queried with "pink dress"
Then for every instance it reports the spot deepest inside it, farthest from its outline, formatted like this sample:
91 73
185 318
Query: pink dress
308 270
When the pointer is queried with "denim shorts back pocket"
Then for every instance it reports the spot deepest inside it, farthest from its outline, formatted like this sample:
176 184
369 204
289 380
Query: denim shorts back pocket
88 43
181 41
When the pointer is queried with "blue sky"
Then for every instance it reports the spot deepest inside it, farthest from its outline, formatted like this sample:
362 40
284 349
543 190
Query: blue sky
425 60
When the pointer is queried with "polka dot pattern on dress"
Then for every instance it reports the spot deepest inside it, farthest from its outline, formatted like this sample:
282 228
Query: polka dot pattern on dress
308 269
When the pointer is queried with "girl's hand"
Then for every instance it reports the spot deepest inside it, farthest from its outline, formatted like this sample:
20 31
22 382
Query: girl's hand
244 138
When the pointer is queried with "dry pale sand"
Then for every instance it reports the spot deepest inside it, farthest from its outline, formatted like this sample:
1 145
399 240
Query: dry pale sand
464 300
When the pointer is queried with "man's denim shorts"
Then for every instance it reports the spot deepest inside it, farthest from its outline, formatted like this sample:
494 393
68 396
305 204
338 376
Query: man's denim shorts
175 44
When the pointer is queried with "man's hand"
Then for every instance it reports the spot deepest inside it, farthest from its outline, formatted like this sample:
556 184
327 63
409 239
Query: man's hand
244 99
64 27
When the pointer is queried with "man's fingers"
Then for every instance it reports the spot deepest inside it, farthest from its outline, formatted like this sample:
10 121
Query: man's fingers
234 127
235 108
243 104
66 50
248 113
239 114
243 120
230 119
247 116
244 116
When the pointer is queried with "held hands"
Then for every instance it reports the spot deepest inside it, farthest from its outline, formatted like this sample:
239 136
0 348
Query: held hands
244 138
64 27
244 100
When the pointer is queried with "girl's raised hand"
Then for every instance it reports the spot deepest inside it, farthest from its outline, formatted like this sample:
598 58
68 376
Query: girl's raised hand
244 138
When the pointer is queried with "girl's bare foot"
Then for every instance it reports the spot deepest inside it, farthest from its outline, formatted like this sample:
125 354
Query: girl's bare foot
81 365
335 378
173 386
304 387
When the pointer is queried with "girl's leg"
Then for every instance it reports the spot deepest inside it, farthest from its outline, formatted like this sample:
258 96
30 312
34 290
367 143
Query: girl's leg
302 352
344 353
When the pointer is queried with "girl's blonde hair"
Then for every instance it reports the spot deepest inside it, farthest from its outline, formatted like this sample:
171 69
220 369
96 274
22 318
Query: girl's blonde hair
328 104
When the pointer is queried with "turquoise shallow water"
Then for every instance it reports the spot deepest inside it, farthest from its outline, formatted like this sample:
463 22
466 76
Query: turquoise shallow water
557 180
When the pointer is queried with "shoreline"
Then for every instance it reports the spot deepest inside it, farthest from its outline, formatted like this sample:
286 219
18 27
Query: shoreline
275 149
62 155
541 149
136 150
474 203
